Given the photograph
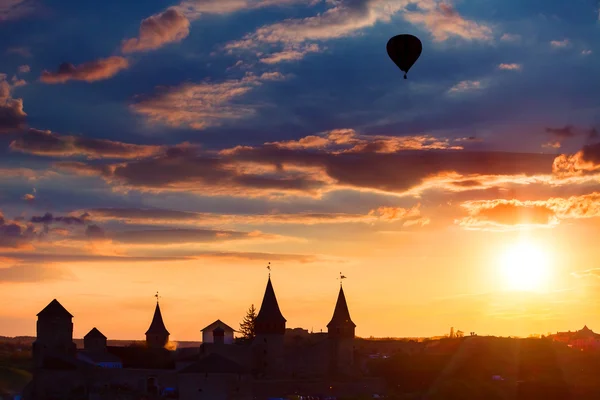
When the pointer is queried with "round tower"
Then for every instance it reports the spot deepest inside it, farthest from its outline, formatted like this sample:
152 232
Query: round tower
269 327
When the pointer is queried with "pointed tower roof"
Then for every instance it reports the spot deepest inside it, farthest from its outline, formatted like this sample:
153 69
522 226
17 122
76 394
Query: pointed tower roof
269 309
94 333
341 315
157 327
54 309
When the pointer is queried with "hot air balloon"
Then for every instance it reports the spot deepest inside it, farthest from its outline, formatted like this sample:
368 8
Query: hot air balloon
404 50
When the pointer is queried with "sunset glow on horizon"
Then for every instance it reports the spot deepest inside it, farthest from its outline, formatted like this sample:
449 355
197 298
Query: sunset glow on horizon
181 148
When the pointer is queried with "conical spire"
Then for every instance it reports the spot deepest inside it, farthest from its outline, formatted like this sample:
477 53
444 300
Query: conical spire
269 318
157 327
341 314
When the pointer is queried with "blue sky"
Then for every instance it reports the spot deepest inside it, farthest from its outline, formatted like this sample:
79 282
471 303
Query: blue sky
244 109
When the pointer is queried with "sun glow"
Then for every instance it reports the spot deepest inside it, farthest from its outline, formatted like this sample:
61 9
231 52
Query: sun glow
525 266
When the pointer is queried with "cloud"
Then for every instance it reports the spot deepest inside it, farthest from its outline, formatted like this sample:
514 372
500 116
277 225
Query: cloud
510 67
514 213
313 165
18 82
193 9
291 53
586 161
32 273
40 257
160 216
443 21
202 105
170 26
594 273
510 37
14 235
586 52
465 86
15 9
506 212
48 219
560 43
46 143
90 71
562 133
23 69
29 197
347 18
22 51
185 236
12 116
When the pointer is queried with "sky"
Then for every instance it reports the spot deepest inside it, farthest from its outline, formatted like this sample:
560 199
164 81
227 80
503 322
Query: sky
180 147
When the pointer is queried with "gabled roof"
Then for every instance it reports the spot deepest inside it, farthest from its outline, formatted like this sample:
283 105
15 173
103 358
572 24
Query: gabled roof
341 315
54 309
214 364
220 323
157 327
269 309
94 333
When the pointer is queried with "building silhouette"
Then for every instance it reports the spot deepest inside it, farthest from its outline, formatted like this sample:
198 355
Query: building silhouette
277 362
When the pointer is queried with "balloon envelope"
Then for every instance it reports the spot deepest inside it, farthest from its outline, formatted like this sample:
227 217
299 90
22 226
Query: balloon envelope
404 50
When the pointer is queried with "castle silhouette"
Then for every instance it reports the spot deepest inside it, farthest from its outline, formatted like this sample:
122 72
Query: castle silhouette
274 363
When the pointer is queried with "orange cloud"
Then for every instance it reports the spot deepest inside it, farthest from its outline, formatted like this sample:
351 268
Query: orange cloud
465 86
170 26
12 116
560 43
161 217
510 67
349 141
202 105
90 71
291 53
515 213
510 37
443 21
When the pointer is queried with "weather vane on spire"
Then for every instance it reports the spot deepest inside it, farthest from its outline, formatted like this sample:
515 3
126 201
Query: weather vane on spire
342 277
269 268
157 297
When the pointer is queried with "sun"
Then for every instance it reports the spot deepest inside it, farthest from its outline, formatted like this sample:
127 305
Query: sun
525 266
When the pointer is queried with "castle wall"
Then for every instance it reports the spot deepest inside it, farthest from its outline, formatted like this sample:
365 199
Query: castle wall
215 387
268 355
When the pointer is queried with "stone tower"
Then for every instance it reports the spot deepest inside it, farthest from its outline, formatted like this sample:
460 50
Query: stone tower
94 341
54 335
157 336
269 329
340 332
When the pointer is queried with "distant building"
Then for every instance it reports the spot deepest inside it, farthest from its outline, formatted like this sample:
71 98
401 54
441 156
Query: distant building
584 339
208 334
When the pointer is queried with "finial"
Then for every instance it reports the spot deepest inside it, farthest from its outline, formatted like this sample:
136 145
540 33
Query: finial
269 268
156 295
342 277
